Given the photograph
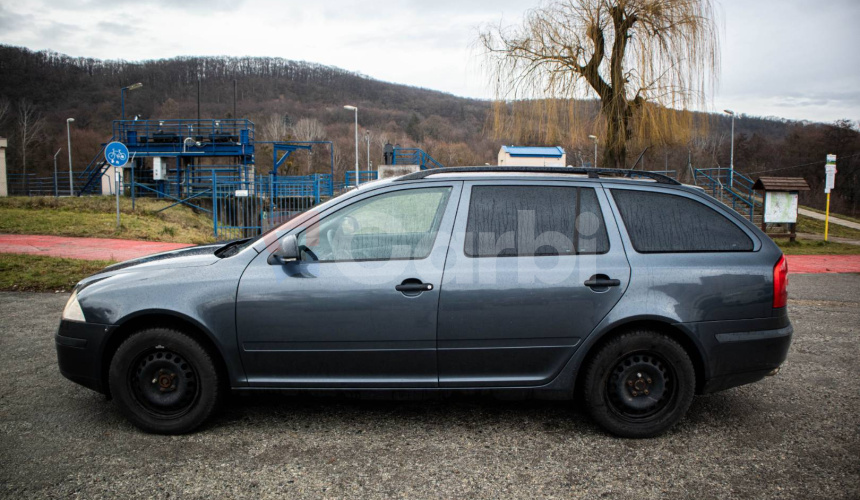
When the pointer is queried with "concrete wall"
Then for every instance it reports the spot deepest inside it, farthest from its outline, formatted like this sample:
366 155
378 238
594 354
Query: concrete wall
109 181
4 186
386 171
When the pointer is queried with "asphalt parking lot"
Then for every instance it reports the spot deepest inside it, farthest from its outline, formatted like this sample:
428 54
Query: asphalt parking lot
796 435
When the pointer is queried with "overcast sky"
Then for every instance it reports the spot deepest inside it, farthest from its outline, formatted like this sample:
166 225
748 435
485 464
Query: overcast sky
795 59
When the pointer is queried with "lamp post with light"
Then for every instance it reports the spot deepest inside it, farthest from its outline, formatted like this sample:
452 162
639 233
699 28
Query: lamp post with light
732 157
69 136
134 86
594 138
353 108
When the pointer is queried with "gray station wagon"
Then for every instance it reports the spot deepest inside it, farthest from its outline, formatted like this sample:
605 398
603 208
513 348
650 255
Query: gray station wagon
625 288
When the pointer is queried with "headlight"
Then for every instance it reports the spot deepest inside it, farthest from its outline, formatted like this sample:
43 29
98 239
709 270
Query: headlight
73 311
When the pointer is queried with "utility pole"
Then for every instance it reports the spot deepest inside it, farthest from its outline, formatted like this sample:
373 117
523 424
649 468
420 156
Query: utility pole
235 117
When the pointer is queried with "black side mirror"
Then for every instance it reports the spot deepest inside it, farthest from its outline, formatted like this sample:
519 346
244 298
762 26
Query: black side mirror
288 251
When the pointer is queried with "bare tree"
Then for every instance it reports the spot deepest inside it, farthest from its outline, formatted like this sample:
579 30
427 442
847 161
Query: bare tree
642 59
30 127
309 129
275 128
4 109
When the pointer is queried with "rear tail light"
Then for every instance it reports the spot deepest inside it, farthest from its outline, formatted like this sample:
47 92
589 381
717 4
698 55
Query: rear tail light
780 283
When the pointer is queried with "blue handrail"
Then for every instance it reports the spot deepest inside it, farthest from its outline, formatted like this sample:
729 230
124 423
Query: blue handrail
414 156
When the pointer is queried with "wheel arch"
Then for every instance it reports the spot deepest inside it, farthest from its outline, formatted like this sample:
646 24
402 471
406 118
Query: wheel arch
654 323
158 318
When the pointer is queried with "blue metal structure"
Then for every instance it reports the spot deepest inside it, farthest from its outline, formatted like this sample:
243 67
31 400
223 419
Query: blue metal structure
414 156
733 190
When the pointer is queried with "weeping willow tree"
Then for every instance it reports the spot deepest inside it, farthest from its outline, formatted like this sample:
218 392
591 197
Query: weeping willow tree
645 61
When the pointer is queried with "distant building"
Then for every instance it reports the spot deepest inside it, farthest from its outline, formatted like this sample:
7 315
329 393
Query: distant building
528 156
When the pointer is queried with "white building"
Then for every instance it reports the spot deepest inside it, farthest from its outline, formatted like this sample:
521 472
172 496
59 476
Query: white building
527 156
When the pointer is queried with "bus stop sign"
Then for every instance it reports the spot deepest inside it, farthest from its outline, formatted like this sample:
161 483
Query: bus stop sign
116 154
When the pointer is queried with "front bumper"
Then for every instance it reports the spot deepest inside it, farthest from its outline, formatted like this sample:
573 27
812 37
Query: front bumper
79 350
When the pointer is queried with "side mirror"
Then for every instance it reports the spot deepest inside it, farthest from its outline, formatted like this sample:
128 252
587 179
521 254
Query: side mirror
288 251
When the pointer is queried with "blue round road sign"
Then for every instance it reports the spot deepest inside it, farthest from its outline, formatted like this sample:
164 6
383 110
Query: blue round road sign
116 154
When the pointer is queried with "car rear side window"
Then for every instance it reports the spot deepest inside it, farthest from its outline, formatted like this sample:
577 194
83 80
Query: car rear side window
667 223
518 221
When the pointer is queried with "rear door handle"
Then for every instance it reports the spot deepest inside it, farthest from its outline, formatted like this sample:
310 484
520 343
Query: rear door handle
413 287
601 281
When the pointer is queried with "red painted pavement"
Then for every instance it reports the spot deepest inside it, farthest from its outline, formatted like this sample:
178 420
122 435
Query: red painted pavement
83 248
798 264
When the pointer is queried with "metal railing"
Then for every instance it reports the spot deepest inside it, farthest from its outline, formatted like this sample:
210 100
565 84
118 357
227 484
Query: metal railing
709 179
136 133
414 156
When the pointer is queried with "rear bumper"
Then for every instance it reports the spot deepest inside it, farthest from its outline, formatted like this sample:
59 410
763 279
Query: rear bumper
79 348
743 358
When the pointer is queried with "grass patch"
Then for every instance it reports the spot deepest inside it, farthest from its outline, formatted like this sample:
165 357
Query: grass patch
95 216
815 226
38 273
807 247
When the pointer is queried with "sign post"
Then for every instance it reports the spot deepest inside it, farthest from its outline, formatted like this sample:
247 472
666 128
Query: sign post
116 154
829 184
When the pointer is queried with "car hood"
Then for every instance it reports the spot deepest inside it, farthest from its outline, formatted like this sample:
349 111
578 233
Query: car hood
203 255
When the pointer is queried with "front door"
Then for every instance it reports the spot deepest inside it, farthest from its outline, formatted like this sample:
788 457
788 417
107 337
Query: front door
532 269
359 309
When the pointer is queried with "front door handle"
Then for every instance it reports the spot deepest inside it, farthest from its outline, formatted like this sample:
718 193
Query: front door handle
601 281
409 286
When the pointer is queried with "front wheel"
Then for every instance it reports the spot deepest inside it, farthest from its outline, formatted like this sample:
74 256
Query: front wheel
639 384
164 381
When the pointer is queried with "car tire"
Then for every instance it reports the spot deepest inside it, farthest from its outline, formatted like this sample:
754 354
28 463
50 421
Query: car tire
164 381
639 384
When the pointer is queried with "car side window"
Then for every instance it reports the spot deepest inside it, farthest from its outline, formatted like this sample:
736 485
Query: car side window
393 225
668 223
519 221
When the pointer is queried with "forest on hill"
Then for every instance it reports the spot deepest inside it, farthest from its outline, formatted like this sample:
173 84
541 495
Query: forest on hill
295 100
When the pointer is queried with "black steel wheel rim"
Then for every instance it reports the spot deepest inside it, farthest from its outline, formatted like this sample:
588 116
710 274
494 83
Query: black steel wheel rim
163 383
640 386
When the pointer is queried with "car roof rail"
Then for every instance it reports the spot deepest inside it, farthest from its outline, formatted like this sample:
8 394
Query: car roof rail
593 173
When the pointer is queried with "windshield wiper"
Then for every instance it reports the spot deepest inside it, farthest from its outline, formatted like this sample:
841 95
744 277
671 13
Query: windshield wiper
231 248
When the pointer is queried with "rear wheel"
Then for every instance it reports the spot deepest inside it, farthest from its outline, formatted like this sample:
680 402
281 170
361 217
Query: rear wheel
639 384
164 381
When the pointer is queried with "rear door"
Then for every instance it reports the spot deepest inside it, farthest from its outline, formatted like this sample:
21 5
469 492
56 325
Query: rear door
532 268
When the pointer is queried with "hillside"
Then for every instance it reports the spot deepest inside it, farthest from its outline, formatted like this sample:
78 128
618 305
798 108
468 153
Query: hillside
274 91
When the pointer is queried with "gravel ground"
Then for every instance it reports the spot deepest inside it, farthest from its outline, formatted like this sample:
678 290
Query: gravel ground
790 436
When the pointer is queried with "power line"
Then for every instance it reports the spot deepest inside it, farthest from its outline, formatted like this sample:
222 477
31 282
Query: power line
802 165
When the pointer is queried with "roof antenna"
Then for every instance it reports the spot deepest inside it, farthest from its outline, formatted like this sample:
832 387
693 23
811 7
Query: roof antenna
640 158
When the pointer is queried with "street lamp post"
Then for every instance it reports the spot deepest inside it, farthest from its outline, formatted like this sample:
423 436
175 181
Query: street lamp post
69 136
732 157
122 95
56 189
353 108
367 140
594 138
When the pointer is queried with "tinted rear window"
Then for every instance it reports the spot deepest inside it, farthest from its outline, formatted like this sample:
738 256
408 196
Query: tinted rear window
512 221
660 222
